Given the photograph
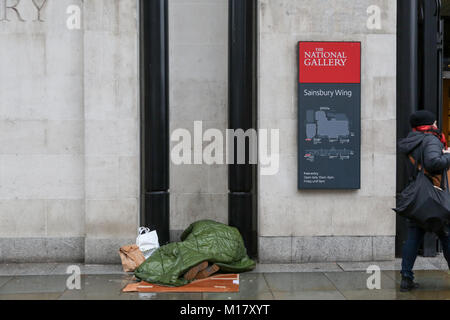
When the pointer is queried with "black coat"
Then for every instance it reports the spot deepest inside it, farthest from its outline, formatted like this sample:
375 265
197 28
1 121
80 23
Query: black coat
435 161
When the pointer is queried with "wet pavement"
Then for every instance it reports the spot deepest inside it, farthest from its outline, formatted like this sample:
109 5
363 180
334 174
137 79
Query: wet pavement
313 282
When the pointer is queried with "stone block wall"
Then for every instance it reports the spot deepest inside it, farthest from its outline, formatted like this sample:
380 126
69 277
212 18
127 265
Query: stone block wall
198 92
69 124
309 226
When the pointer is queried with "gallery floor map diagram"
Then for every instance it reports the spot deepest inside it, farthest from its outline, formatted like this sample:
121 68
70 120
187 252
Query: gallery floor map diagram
329 115
323 125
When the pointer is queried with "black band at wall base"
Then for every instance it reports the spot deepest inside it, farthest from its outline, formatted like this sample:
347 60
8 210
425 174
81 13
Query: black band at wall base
241 210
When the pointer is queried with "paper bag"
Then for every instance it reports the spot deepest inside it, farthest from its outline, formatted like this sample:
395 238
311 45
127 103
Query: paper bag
131 257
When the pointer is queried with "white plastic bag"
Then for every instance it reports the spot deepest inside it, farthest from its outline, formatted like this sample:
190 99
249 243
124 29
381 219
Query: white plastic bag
147 241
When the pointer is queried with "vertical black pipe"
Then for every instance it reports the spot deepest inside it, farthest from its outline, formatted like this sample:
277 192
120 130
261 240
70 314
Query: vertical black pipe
440 48
432 80
430 63
154 74
242 206
407 90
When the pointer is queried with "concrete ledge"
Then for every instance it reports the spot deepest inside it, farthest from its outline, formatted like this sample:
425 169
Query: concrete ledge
329 249
326 249
104 251
35 269
294 268
39 269
41 250
275 249
383 248
282 250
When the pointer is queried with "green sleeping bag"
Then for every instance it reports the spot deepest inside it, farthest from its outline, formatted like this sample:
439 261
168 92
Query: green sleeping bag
202 241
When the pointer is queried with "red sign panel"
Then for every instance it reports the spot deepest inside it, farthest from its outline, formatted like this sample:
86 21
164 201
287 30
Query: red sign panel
330 62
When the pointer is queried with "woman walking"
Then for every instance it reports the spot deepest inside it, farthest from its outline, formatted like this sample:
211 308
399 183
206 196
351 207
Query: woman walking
428 143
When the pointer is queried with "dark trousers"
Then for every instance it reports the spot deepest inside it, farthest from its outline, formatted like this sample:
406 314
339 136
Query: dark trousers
411 248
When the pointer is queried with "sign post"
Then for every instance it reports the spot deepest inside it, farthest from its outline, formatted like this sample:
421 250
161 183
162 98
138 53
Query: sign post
329 111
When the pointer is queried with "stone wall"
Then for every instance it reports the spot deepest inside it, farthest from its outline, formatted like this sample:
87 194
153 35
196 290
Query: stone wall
198 92
69 129
306 226
69 144
69 123
111 112
41 140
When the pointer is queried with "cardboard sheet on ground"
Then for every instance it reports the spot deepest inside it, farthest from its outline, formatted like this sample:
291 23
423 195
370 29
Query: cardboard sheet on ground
217 283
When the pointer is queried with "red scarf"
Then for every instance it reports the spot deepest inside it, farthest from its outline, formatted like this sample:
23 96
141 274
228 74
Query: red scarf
433 130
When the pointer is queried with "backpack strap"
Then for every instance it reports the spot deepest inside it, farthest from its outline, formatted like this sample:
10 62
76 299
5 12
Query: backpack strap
440 180
418 165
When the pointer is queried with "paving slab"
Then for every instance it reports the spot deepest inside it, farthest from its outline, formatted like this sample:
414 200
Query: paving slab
386 294
4 280
421 264
40 269
437 275
30 296
162 296
431 295
299 282
83 295
99 287
309 295
91 269
27 269
303 267
5 270
431 280
357 280
253 286
243 295
100 283
440 263
34 284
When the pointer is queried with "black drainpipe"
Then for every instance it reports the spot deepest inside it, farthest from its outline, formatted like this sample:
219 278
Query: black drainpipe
407 91
431 84
154 76
242 205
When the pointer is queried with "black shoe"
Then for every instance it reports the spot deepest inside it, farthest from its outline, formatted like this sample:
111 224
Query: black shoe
408 284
